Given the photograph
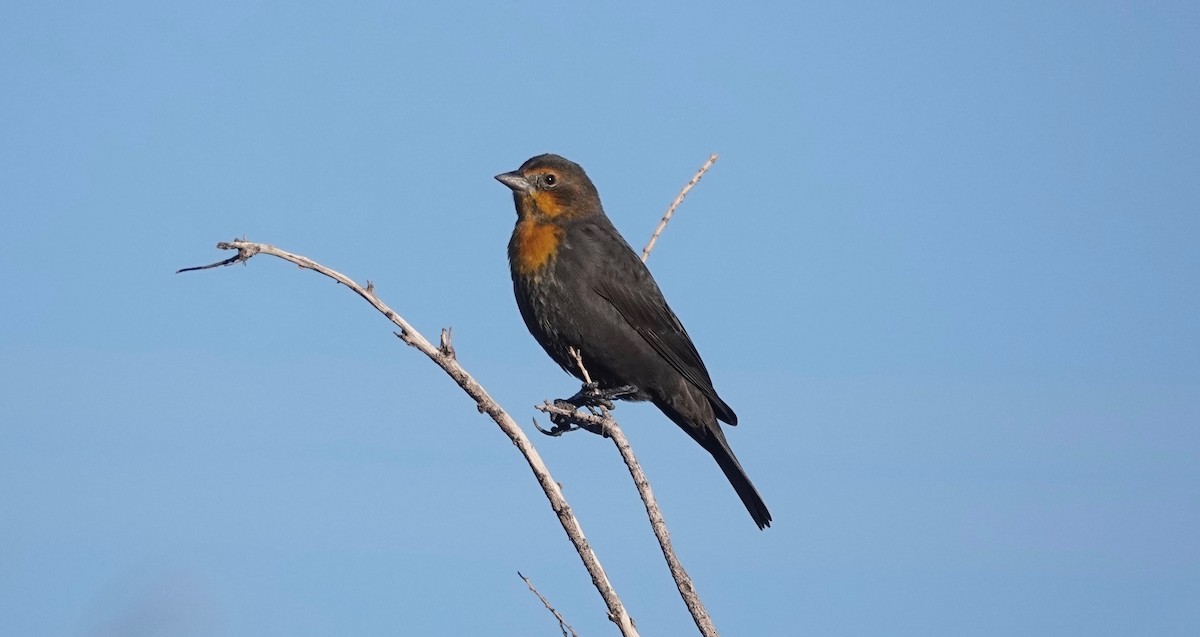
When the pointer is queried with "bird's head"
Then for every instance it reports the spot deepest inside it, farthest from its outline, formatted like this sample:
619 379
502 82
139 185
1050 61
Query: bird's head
551 188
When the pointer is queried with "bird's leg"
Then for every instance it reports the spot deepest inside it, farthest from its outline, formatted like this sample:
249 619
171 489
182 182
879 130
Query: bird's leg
591 395
586 396
617 393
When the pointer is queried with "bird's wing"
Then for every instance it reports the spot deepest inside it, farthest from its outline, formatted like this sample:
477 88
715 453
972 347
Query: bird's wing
642 305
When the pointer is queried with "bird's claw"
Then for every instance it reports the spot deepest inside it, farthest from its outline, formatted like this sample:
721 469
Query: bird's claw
562 424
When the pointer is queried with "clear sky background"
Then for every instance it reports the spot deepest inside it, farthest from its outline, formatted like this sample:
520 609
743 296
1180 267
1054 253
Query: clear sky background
946 271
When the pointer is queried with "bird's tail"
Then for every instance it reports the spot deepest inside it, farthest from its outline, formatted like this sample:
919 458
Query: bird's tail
710 436
729 464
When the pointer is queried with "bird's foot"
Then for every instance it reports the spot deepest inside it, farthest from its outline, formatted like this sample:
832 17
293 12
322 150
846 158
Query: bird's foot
618 393
562 423
590 397
571 420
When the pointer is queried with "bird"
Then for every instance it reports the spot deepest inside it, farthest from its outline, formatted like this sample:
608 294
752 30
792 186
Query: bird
581 288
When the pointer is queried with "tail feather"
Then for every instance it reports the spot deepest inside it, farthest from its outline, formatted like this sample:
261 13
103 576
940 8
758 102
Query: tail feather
707 432
741 482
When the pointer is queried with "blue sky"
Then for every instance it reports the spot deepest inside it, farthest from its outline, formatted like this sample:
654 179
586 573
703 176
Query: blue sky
946 271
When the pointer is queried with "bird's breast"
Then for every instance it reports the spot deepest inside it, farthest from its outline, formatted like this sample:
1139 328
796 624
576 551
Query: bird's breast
533 246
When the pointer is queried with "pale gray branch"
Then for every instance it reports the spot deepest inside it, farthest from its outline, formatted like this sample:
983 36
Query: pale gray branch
444 357
662 224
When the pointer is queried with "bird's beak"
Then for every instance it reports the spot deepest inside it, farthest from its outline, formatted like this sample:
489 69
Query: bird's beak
515 181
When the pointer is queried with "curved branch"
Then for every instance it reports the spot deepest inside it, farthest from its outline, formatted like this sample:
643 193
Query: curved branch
444 357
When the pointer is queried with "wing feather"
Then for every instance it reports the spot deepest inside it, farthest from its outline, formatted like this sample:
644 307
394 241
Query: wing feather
645 309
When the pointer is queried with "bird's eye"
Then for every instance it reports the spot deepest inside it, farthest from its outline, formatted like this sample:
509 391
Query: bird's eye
550 180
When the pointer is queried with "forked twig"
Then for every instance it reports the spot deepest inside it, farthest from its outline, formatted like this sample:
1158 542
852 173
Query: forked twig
604 422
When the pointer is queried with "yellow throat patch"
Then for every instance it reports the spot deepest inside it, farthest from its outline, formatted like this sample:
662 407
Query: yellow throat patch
533 245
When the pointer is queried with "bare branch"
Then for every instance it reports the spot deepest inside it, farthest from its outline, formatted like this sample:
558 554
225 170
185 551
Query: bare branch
662 224
562 623
683 581
484 402
604 423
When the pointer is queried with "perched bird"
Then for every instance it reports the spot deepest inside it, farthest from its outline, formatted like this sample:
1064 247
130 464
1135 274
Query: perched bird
579 285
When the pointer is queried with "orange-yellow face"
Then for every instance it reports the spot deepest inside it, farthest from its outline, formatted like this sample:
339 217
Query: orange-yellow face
548 190
543 196
550 187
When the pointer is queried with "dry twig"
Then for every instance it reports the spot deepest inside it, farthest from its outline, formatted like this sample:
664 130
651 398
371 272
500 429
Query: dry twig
562 623
444 357
662 224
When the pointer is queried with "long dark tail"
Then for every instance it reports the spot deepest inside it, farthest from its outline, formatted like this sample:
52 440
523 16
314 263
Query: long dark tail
729 464
710 436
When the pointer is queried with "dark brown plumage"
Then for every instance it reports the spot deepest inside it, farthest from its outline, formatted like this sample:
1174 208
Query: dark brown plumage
579 284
